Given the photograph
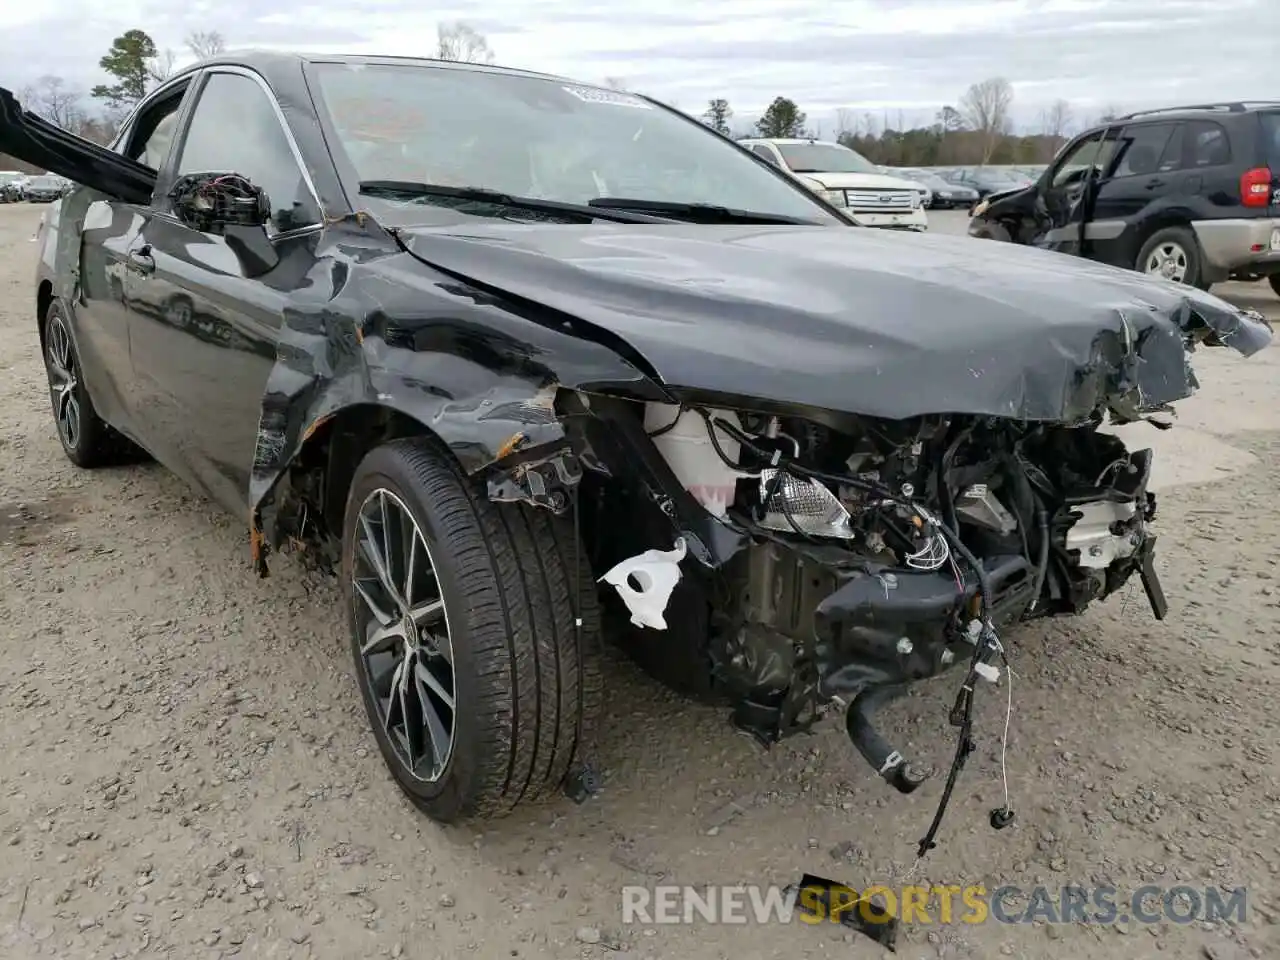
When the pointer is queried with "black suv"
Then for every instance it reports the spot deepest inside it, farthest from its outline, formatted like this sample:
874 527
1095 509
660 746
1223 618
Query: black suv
1188 193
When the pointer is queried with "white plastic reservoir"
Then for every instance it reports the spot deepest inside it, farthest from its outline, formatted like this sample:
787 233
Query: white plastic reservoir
687 449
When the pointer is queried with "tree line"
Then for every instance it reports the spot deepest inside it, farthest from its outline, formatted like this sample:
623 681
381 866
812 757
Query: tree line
977 129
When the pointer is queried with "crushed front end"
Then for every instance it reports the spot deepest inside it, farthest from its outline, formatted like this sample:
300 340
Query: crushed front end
788 562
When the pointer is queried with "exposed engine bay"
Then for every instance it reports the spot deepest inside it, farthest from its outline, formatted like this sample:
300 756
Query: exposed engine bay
872 554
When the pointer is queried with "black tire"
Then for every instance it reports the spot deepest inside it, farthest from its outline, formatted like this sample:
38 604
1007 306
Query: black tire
1181 243
89 443
526 685
1274 280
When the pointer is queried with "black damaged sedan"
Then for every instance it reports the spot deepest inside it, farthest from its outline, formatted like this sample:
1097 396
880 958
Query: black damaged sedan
526 362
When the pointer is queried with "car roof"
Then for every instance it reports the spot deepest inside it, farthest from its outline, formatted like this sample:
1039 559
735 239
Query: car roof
276 65
1198 111
791 140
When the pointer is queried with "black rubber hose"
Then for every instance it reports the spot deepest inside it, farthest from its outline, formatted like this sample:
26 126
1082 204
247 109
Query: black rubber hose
875 749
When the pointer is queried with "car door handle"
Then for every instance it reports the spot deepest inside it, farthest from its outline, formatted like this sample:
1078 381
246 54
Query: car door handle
1155 182
141 260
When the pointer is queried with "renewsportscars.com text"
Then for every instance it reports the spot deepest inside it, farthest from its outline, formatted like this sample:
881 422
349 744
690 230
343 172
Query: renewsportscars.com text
945 904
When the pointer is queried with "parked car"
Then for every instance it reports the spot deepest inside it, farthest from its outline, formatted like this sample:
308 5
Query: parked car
987 181
1191 194
848 180
44 188
511 353
944 195
11 183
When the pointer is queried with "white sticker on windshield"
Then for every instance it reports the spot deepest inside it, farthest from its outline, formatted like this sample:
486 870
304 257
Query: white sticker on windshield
612 98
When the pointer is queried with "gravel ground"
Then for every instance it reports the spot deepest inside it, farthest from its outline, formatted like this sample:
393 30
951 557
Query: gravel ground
187 771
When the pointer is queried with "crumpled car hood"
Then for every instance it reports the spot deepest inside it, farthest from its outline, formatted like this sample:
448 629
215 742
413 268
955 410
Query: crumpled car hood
858 320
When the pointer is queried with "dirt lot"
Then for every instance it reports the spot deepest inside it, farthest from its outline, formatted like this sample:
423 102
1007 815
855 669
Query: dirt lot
186 770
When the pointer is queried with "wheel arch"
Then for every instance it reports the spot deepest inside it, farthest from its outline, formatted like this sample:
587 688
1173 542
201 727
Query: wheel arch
315 471
336 443
1150 226
44 300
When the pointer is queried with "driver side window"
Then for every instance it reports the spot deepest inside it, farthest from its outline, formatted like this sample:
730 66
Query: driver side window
1092 151
152 134
235 129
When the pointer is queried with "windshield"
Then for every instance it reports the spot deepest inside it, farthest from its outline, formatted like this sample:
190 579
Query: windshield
10 177
824 158
538 137
44 182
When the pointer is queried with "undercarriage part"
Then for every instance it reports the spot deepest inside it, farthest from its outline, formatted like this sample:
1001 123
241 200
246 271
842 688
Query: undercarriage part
875 749
903 625
827 900
645 582
582 783
979 505
543 483
1001 817
762 656
1151 580
1103 533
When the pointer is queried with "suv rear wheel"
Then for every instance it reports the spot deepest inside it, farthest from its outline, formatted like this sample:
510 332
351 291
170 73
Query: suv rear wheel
1172 253
481 692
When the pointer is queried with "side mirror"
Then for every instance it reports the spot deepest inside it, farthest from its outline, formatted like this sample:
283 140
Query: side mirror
228 205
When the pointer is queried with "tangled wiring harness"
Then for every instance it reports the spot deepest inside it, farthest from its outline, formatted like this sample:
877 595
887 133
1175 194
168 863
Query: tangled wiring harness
942 544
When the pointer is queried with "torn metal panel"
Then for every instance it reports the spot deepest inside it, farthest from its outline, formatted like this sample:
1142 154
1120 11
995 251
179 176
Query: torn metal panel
478 372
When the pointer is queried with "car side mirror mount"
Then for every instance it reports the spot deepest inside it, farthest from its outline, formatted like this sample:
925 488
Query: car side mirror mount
252 247
230 206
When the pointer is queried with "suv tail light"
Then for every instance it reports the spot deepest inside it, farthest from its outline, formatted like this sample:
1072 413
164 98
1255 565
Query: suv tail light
1255 187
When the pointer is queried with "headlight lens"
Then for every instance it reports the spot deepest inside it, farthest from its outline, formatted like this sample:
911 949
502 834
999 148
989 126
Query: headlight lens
802 506
836 197
981 208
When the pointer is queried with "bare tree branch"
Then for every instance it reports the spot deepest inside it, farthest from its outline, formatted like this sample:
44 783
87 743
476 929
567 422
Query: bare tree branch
160 67
846 123
49 97
204 44
461 41
1057 119
985 106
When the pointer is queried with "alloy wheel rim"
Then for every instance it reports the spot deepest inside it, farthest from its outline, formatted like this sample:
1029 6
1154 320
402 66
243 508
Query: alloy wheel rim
406 654
1168 260
63 382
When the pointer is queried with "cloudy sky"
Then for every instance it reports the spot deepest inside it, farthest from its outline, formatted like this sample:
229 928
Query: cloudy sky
880 56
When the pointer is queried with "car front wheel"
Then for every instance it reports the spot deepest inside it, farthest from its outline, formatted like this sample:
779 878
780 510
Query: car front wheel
480 689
